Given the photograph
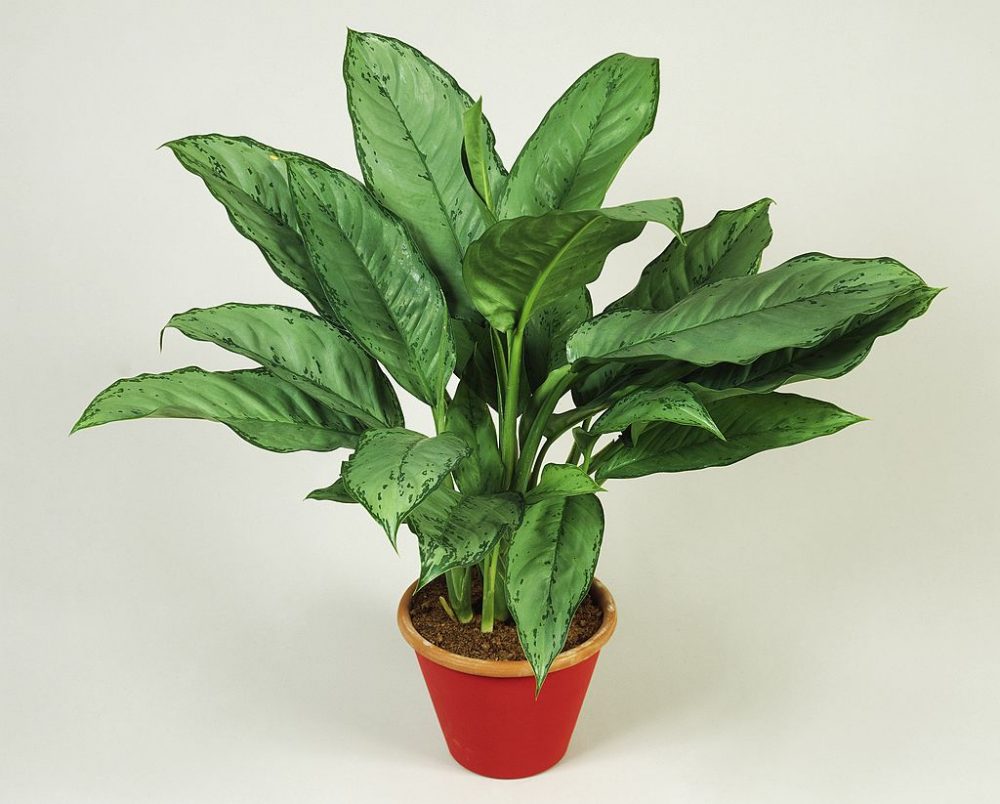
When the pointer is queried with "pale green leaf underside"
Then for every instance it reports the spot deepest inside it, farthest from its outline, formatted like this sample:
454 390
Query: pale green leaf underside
302 349
378 283
562 480
261 408
797 304
393 470
580 145
550 566
521 265
456 530
752 423
407 115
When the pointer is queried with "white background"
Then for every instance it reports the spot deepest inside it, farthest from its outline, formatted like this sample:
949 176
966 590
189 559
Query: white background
817 624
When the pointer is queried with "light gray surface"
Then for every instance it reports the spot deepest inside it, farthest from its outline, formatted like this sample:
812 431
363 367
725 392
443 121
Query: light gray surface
817 624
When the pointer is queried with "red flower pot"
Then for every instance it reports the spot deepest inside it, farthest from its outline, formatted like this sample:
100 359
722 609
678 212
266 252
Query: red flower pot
492 722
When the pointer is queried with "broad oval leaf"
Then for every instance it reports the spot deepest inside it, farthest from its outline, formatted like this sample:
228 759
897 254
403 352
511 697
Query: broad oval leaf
798 304
580 145
407 115
520 265
729 246
752 423
457 530
469 418
259 407
336 492
550 566
250 180
562 480
393 470
674 402
382 290
303 349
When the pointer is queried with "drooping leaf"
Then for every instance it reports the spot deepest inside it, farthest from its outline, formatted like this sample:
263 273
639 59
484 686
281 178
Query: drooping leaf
674 402
469 418
520 265
302 349
730 245
798 304
752 423
841 353
577 150
458 530
546 334
479 158
393 470
562 480
250 180
474 361
550 566
379 285
337 492
259 407
407 115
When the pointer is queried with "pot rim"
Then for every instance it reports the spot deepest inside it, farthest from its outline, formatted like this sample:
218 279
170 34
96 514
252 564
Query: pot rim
508 669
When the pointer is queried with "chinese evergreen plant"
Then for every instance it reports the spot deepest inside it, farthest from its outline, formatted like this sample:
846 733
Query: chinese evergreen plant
444 263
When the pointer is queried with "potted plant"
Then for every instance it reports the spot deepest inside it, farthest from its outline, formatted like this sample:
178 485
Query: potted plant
444 263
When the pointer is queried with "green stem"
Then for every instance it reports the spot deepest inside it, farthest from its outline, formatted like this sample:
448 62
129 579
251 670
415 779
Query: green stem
549 394
490 590
459 582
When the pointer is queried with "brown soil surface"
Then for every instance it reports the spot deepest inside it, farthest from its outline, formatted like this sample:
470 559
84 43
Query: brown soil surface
434 625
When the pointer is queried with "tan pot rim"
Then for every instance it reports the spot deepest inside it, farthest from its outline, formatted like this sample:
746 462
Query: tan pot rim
508 669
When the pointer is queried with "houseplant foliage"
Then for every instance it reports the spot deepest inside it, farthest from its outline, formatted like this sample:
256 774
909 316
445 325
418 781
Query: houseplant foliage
442 264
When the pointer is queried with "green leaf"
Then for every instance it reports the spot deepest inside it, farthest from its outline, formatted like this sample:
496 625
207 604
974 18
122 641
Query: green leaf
550 566
469 418
393 470
250 180
334 493
382 290
520 265
580 145
302 349
259 407
833 358
674 402
752 424
550 327
730 245
798 304
479 158
455 530
407 114
562 480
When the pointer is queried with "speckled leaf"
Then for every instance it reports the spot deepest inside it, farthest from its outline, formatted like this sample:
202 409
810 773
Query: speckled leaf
407 115
580 145
469 418
456 530
250 180
562 480
546 334
798 304
378 283
479 158
730 245
393 470
337 492
550 566
261 408
752 423
674 402
303 349
838 355
520 265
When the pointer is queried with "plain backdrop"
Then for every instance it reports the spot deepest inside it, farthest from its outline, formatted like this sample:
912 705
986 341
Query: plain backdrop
817 624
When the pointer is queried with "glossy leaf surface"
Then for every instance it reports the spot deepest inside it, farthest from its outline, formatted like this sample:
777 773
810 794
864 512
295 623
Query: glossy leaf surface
469 418
548 330
562 480
393 470
336 492
674 402
261 408
303 349
577 150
